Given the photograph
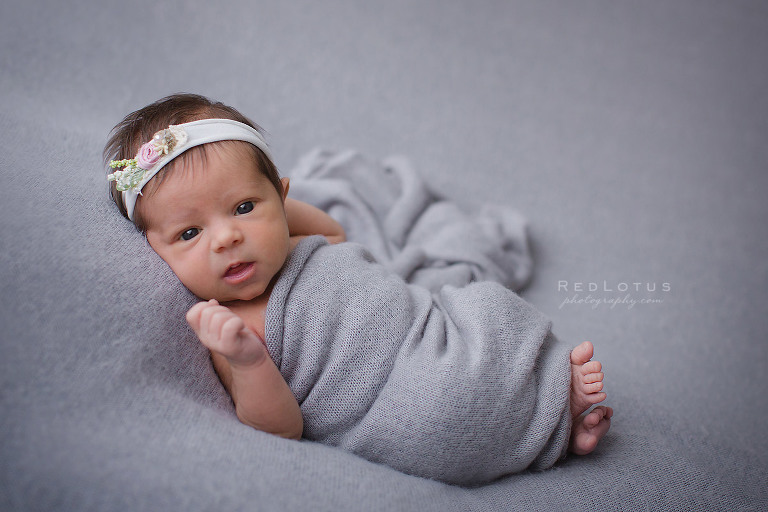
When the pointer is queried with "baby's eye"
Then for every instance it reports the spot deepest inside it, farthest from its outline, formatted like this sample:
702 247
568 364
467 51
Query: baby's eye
245 207
190 234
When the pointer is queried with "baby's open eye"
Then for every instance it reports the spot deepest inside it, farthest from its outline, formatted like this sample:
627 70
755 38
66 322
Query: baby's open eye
245 207
190 234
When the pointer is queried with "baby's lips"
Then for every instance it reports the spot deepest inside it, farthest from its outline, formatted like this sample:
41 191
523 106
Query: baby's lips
235 268
239 272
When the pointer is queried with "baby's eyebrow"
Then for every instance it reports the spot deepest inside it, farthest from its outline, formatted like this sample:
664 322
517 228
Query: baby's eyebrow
244 192
176 220
178 213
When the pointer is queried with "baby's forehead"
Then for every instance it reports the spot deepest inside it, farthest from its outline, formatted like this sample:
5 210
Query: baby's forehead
189 195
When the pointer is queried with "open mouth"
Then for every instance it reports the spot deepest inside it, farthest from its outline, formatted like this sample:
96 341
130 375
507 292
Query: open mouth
239 272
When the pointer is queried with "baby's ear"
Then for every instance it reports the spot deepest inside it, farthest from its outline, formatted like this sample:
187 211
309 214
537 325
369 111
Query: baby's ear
286 182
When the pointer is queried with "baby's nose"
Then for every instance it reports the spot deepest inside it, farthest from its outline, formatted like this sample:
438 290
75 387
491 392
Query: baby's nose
226 236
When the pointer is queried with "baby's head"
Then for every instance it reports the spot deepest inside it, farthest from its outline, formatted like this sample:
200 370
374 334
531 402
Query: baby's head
139 127
196 178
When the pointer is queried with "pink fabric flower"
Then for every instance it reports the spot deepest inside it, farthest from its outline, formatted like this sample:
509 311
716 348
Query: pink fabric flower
147 156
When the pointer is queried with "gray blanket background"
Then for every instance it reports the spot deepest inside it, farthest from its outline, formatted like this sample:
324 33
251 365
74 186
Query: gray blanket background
631 135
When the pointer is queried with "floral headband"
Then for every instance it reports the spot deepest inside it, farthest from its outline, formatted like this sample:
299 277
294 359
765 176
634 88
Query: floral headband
134 173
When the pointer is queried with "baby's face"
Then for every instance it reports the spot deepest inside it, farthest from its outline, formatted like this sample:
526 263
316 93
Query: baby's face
222 229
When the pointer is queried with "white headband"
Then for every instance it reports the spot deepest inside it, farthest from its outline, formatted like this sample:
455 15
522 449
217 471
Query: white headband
168 144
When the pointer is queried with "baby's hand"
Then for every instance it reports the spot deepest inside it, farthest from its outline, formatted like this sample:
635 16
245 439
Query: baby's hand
225 333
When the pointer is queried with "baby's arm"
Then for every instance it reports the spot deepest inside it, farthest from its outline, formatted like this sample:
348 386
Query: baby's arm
305 220
262 398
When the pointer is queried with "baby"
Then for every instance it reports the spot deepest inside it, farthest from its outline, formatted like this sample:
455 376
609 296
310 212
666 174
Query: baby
318 340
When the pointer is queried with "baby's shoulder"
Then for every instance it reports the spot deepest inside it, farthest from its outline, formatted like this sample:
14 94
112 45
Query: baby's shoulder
317 248
346 260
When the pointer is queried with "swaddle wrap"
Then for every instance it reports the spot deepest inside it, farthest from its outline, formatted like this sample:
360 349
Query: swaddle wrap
389 208
464 385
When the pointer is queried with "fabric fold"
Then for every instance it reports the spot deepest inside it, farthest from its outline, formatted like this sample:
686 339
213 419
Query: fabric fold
462 385
388 207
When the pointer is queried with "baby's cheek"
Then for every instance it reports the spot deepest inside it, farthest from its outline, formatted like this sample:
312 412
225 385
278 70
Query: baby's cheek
192 278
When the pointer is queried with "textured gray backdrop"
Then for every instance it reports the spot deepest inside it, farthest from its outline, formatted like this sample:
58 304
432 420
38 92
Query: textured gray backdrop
633 135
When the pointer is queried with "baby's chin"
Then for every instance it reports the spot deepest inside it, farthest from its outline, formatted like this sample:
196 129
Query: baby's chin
224 294
222 298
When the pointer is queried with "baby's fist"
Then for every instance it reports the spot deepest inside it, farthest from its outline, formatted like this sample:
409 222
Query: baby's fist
225 333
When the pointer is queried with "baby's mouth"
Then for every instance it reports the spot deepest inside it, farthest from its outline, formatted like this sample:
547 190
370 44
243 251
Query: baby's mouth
238 272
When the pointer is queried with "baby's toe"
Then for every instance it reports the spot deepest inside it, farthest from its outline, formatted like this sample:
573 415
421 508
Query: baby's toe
592 418
582 353
593 377
592 367
593 387
596 398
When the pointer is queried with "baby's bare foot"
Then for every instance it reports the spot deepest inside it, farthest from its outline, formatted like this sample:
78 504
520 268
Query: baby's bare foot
586 380
587 430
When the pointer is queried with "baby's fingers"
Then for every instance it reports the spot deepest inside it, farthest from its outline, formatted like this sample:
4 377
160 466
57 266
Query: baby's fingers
195 313
230 329
222 334
224 325
212 319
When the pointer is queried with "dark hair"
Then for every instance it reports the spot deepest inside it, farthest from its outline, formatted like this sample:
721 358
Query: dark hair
138 127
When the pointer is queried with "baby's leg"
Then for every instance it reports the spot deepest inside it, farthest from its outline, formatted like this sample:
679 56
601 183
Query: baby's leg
586 380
